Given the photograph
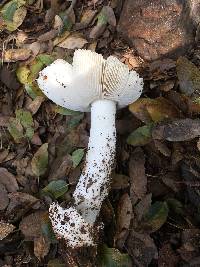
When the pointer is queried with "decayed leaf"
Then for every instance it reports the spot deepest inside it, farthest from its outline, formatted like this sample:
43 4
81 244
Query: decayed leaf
142 248
31 225
178 130
21 126
159 109
77 156
141 136
19 203
8 180
13 55
56 188
41 247
13 14
119 181
156 216
5 229
35 104
105 16
137 175
111 257
87 17
3 197
40 160
124 215
56 263
188 75
142 207
73 41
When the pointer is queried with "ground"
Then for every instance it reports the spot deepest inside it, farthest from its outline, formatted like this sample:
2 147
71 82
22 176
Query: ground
151 217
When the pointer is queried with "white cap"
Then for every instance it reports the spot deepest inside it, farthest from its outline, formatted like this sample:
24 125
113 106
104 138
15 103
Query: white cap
89 78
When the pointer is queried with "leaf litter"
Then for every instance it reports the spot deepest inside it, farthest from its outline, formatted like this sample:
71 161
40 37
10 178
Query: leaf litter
151 216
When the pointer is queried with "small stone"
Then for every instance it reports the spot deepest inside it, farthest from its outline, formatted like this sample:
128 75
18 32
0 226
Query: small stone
158 28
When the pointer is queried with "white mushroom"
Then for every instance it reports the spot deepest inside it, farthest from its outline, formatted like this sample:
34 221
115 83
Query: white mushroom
90 83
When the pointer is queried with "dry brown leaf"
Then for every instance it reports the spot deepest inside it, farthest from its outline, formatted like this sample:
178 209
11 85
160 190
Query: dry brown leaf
178 130
41 247
4 200
137 175
35 104
73 41
142 207
124 215
142 248
5 229
14 55
31 225
19 204
162 148
8 180
120 181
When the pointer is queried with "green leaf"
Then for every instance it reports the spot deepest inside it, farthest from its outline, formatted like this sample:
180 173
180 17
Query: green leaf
56 188
141 136
65 111
156 216
24 117
111 257
75 120
22 74
47 230
21 126
175 205
15 129
45 59
13 13
39 161
77 156
8 10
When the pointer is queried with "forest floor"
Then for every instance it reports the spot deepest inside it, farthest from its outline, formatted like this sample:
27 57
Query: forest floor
152 215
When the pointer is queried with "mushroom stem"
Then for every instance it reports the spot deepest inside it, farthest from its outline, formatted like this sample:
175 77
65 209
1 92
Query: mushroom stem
93 184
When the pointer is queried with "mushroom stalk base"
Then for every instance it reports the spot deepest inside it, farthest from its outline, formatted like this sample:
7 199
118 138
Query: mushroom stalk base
94 182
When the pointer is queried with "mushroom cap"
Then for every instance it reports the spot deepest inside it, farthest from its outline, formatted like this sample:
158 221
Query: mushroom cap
89 78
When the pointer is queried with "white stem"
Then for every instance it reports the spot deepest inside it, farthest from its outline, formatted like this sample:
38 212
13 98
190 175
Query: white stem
93 184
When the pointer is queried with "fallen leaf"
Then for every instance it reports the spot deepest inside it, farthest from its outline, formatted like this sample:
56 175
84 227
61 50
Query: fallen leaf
8 77
65 111
86 18
30 225
13 14
142 248
159 109
178 130
8 180
110 257
155 217
124 216
119 181
142 207
56 188
141 136
56 263
77 156
34 106
104 17
60 167
41 247
19 204
162 148
138 179
3 197
5 229
188 76
73 41
167 256
40 160
14 55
